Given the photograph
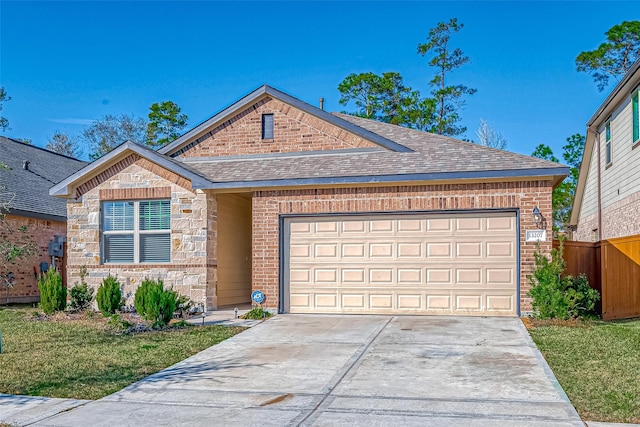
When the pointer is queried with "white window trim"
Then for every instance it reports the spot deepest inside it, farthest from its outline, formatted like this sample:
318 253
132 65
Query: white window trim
607 143
136 232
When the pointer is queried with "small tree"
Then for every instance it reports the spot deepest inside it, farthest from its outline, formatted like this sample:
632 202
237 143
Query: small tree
154 303
489 137
109 296
53 294
81 294
556 296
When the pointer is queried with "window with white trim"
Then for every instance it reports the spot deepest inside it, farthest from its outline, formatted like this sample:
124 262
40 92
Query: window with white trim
607 144
136 231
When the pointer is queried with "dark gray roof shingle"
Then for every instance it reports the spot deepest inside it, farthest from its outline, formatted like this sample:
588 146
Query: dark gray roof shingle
29 189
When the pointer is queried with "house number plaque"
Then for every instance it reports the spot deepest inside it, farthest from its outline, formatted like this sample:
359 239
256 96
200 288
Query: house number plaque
536 235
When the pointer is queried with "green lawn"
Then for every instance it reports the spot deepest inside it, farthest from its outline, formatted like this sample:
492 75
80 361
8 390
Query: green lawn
82 359
597 364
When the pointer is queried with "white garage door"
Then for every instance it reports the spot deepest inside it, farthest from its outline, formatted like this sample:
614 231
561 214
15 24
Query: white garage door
462 264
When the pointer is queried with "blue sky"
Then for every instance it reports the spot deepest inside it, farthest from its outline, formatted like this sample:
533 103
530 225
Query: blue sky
67 63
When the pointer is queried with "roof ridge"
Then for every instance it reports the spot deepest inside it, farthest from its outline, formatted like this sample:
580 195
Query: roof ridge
448 138
16 141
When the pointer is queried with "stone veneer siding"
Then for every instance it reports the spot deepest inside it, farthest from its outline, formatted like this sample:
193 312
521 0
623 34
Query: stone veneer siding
192 270
293 129
269 205
619 219
40 232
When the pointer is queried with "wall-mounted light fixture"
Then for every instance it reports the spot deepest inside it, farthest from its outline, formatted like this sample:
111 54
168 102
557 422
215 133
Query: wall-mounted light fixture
539 220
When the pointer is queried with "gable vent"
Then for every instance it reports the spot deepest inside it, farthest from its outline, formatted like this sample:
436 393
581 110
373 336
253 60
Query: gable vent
267 126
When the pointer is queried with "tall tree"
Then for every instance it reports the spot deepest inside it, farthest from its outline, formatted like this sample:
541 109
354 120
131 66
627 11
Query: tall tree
105 134
614 57
489 137
165 123
445 59
4 123
380 97
364 90
62 143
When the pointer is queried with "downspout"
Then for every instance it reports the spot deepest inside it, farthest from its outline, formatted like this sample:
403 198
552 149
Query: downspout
600 231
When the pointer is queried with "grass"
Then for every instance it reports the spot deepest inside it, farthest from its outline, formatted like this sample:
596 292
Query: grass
83 359
597 363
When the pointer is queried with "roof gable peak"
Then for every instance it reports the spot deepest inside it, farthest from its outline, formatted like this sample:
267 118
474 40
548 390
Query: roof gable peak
178 146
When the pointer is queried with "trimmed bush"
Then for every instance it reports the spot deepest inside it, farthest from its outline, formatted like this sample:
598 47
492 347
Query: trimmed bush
154 303
81 294
53 295
109 296
555 296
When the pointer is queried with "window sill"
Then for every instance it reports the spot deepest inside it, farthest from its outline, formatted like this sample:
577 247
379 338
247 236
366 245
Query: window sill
635 144
608 166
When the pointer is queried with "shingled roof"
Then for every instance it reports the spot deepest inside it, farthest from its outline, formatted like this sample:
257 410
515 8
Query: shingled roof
400 155
430 157
29 188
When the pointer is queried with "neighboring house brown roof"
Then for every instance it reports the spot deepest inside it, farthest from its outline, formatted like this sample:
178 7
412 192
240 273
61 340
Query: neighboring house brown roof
28 189
401 155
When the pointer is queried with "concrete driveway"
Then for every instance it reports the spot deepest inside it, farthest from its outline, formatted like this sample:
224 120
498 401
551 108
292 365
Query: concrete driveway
349 370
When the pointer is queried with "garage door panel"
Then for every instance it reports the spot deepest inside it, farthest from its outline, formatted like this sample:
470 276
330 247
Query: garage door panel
411 225
439 225
439 250
353 250
500 249
381 250
409 302
430 264
438 276
503 224
381 301
410 250
468 224
381 226
468 250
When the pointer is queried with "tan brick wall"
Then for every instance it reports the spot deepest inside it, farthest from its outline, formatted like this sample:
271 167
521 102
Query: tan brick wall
193 261
294 131
40 232
268 205
584 231
620 219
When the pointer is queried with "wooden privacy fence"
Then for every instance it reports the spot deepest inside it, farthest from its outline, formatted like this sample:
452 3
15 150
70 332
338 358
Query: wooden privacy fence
613 268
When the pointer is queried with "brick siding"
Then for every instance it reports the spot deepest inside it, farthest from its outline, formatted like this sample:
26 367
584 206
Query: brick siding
40 232
619 219
293 129
269 205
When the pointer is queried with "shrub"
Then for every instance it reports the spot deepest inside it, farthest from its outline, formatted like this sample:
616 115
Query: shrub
53 295
554 296
257 313
154 303
81 294
109 296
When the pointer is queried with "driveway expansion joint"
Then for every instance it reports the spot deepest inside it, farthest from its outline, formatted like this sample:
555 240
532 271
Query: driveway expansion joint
333 383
